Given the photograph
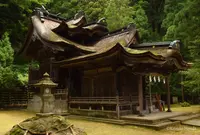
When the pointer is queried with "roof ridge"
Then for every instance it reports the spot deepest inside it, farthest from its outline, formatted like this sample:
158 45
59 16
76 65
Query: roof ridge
118 31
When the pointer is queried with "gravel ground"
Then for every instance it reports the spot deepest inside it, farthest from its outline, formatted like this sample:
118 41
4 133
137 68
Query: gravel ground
10 118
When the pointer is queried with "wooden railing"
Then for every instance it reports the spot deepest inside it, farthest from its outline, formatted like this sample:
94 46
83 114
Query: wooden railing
94 100
15 99
103 100
121 103
61 94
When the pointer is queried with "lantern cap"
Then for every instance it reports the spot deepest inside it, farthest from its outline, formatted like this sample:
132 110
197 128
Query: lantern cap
46 81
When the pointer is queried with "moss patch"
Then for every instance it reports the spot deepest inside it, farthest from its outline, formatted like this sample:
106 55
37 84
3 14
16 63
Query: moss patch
56 125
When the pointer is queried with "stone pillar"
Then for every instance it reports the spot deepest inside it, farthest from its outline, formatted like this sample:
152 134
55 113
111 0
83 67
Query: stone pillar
168 94
140 95
48 100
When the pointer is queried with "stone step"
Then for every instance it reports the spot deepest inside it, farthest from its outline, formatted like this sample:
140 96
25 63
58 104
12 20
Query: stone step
192 122
145 121
185 117
158 126
95 119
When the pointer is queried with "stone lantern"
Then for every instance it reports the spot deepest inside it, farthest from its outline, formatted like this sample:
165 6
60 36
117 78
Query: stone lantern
48 100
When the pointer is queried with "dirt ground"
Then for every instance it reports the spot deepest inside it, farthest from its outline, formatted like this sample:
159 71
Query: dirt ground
10 118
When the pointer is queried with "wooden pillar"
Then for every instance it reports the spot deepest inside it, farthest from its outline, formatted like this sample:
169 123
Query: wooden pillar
92 83
182 89
117 107
150 98
116 87
140 95
168 94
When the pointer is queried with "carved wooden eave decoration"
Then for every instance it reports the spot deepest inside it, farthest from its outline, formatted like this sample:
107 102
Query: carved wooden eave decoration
78 43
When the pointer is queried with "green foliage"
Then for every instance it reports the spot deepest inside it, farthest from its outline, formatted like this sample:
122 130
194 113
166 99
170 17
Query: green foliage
175 84
94 9
192 81
7 78
140 19
14 16
6 51
185 104
118 14
67 8
21 72
181 22
10 75
155 12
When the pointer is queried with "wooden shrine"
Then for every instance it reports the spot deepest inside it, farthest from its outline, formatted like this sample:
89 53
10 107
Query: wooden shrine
99 73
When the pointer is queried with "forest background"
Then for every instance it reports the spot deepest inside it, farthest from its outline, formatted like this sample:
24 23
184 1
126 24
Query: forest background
156 20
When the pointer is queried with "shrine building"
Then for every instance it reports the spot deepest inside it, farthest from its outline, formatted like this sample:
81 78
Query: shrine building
98 72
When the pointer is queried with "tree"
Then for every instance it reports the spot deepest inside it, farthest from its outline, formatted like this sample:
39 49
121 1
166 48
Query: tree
67 8
140 19
10 77
6 51
14 16
186 27
118 14
94 9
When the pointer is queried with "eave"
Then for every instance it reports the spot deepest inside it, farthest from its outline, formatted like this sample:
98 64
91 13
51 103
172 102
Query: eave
130 57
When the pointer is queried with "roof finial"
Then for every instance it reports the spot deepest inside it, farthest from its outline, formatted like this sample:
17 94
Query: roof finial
102 21
79 14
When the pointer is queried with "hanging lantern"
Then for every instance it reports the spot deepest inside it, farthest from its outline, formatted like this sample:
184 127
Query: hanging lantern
150 80
158 78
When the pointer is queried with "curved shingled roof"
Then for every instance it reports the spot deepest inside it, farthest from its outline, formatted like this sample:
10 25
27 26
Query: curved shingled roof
94 41
131 55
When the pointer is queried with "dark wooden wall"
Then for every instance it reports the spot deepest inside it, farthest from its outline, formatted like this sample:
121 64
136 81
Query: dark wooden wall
94 84
99 85
128 83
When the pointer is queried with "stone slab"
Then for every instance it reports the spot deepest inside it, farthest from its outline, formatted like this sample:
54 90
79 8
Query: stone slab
185 117
44 114
193 122
124 122
155 116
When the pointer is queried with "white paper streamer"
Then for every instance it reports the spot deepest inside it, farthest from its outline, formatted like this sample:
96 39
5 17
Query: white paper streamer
164 80
154 78
158 78
150 80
